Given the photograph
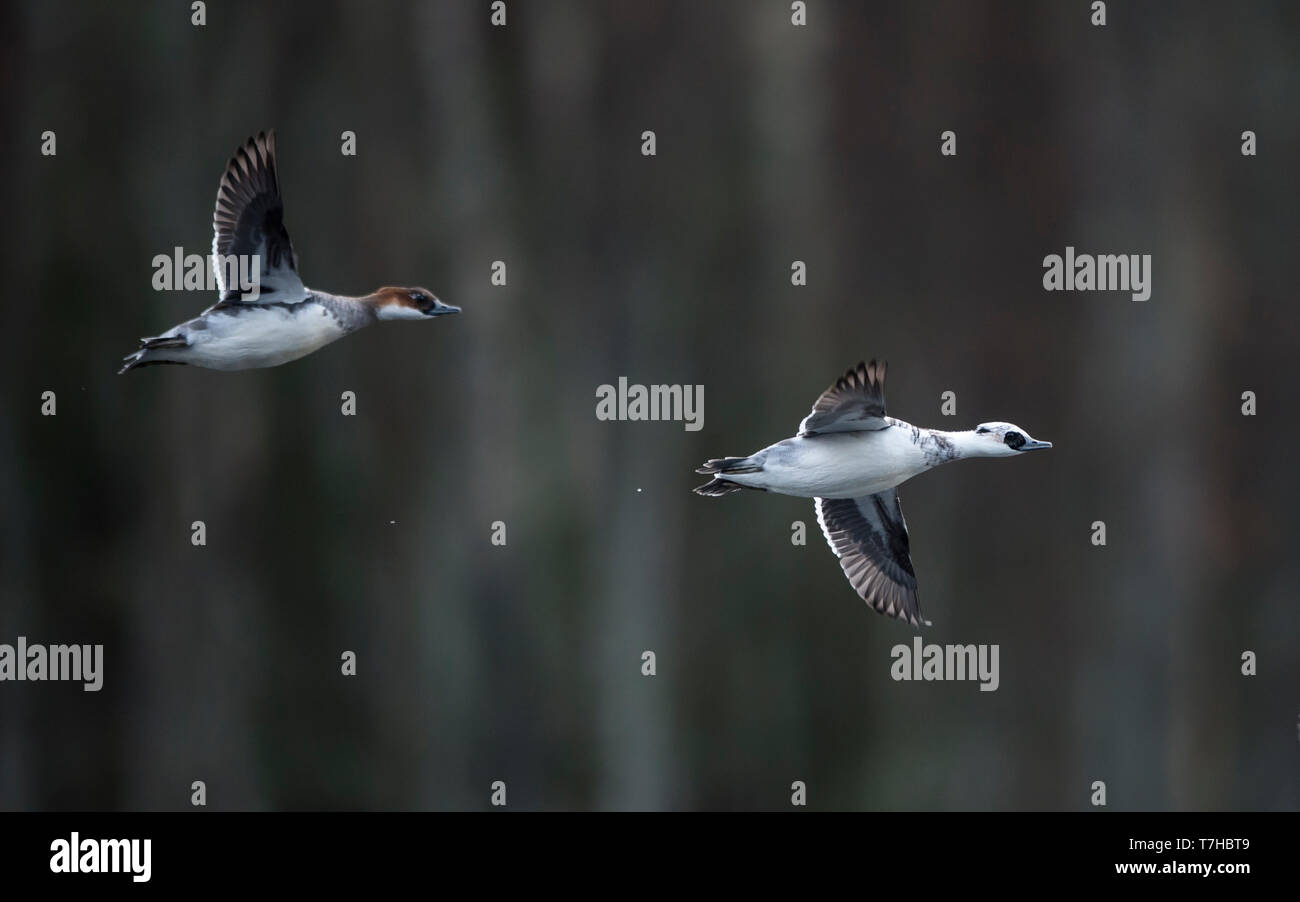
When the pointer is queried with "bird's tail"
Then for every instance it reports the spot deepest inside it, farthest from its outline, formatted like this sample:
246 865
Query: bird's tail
718 468
717 486
143 357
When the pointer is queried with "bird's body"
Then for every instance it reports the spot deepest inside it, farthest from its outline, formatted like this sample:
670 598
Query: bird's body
851 457
278 319
847 464
247 336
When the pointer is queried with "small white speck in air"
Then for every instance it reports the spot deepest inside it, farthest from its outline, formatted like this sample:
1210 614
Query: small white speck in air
391 522
638 491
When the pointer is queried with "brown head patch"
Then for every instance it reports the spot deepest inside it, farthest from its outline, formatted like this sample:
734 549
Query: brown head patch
402 297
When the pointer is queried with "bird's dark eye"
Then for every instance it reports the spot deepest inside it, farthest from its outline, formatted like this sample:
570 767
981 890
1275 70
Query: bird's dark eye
1014 440
419 298
982 430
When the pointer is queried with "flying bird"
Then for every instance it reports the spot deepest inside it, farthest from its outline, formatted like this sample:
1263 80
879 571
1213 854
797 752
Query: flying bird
274 319
850 457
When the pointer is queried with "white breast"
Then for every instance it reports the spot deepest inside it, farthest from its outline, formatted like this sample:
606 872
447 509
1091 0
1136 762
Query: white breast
262 336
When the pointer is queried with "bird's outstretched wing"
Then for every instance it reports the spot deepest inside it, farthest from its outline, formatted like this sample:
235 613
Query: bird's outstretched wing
869 536
855 403
248 221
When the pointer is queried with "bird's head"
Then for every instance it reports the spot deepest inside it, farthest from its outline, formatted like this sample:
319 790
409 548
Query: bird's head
409 303
1004 440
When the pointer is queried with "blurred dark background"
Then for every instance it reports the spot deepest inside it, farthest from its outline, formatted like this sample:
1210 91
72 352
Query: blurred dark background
775 143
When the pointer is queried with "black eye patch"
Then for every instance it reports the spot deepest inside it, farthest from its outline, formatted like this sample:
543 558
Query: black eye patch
1014 440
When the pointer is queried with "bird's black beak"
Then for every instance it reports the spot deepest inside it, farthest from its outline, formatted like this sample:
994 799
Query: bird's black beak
439 308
